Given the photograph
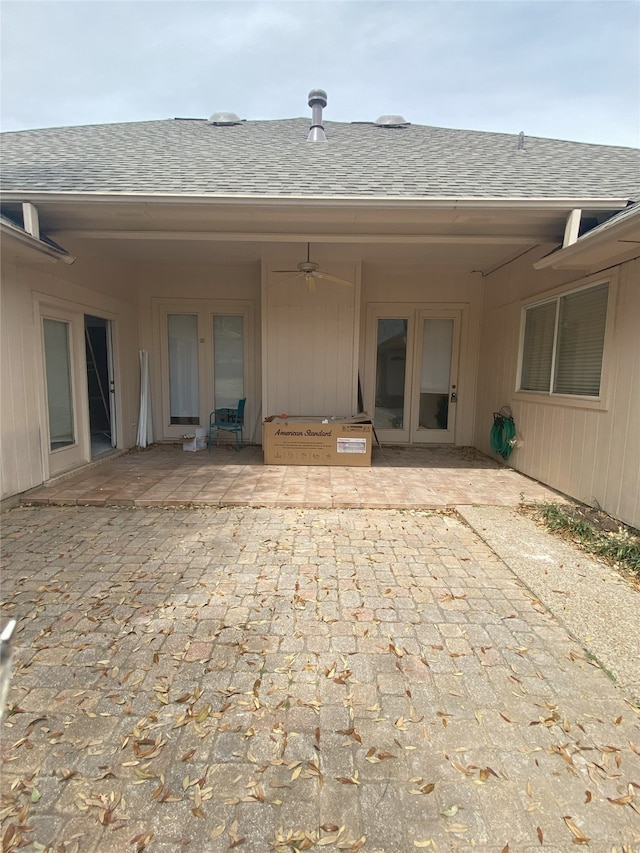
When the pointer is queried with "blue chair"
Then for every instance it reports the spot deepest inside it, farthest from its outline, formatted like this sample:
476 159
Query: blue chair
227 420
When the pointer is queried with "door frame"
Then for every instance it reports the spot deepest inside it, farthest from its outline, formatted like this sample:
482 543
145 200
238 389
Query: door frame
46 306
111 383
414 313
204 309
436 436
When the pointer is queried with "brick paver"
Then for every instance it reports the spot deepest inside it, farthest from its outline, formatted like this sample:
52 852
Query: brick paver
261 679
164 475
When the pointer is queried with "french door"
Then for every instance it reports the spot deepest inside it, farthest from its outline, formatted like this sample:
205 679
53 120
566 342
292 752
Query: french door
205 358
413 368
79 391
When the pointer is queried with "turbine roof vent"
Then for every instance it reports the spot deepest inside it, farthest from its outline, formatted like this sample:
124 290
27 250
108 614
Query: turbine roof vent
224 119
391 121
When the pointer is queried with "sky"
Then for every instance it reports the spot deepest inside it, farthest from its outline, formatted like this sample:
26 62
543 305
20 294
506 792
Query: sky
565 69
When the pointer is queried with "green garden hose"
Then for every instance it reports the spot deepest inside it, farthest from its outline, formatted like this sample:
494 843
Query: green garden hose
503 433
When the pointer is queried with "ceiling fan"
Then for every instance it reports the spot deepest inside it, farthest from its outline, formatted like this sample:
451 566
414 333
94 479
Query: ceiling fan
311 272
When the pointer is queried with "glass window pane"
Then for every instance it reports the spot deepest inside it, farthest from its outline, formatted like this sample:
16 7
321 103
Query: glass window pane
581 327
228 360
435 376
391 368
183 369
537 352
59 389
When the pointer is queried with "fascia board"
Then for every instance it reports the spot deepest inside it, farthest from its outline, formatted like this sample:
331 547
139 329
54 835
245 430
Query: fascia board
445 202
619 233
16 233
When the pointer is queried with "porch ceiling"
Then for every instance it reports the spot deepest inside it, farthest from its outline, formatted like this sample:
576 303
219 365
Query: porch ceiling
472 236
469 256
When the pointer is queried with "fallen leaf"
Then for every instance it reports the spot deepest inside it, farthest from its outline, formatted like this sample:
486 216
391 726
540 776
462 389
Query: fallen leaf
458 828
579 836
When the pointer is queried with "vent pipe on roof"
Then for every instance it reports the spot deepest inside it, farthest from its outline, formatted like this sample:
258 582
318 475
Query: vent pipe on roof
317 101
391 121
224 119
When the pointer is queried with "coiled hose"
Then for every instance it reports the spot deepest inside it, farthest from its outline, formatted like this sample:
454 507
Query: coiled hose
503 433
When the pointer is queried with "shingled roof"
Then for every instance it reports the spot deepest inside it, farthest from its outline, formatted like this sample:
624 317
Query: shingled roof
273 158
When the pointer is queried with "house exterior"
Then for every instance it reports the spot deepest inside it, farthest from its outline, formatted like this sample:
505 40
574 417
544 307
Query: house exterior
153 271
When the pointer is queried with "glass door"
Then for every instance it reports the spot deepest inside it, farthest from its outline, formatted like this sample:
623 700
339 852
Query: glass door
392 378
228 360
435 394
205 363
64 363
184 402
412 367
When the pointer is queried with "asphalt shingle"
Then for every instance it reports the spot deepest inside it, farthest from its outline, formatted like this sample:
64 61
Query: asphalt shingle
273 158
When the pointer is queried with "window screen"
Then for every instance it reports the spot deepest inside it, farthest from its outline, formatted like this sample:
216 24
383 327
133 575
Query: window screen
581 327
537 355
564 343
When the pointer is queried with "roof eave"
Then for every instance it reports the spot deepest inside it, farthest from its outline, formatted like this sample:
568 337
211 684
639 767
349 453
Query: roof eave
444 202
615 241
13 231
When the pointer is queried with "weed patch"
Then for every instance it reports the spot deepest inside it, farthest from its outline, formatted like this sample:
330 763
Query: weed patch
594 531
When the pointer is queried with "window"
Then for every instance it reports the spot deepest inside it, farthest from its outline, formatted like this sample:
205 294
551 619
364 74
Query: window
183 368
59 386
228 360
564 343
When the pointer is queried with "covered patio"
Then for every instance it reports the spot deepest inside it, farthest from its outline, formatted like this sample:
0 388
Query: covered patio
399 478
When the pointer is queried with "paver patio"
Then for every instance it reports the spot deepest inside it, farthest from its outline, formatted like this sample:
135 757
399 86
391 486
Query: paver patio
400 477
237 677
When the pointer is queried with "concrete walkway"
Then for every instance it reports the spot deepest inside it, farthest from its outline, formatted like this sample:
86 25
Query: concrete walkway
591 599
281 679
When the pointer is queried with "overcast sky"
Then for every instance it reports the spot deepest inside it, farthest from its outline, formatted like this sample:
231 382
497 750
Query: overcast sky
567 69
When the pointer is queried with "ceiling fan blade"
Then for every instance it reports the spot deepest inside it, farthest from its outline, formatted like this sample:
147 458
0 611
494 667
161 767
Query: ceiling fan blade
285 270
334 278
282 280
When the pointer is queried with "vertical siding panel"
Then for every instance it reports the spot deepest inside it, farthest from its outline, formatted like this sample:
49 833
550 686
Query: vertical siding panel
626 428
586 453
577 448
584 489
21 456
10 357
536 417
566 444
309 348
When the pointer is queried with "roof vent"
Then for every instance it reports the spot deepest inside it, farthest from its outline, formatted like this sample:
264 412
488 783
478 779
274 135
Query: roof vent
317 101
224 119
391 121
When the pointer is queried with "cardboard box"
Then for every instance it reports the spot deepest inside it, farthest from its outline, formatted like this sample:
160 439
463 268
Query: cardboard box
316 441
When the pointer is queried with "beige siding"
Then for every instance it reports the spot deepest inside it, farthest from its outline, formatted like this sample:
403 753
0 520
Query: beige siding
310 347
23 464
591 454
19 414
